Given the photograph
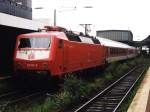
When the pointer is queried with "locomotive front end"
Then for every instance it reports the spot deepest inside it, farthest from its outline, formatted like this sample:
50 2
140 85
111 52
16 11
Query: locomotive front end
32 53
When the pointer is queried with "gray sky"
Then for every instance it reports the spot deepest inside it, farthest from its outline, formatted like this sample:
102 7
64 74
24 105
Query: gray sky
131 15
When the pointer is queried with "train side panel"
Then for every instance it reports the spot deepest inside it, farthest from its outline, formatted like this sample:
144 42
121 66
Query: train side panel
73 56
117 54
81 55
57 65
132 53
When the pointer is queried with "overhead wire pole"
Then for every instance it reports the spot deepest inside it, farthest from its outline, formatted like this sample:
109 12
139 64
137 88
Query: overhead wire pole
55 17
86 28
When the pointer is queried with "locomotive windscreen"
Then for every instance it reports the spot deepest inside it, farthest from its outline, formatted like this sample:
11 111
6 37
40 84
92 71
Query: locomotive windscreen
34 42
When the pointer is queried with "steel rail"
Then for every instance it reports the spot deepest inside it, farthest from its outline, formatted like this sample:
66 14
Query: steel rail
8 94
108 88
128 91
18 99
24 97
102 91
6 77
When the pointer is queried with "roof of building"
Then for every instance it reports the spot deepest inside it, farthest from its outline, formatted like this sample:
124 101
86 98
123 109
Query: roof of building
114 31
13 21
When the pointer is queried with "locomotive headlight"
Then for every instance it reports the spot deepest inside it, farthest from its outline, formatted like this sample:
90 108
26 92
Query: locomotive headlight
45 65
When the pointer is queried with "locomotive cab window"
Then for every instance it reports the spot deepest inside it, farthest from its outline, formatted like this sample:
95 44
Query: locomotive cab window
34 42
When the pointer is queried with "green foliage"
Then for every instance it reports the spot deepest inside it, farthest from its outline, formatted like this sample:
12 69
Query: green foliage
84 90
49 105
77 87
72 84
108 76
99 82
112 67
63 99
121 69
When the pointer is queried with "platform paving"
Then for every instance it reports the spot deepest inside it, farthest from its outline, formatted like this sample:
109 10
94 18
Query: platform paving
139 103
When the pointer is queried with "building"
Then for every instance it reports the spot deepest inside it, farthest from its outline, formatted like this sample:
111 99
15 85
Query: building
19 8
117 35
23 2
15 19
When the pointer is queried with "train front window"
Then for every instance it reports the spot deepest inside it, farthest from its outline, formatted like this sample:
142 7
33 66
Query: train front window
34 42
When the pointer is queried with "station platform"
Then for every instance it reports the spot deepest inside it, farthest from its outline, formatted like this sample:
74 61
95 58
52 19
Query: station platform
141 101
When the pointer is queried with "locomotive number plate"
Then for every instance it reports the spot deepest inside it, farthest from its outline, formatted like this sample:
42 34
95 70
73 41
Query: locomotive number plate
31 65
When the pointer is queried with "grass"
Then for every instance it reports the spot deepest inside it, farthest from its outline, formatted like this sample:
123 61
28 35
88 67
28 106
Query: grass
77 89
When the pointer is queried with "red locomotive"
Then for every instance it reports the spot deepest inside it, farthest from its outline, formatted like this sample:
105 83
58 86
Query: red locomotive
58 51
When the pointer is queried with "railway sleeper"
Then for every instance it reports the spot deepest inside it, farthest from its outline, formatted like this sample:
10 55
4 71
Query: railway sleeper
96 110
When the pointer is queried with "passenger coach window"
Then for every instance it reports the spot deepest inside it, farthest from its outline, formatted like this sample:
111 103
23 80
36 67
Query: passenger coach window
34 42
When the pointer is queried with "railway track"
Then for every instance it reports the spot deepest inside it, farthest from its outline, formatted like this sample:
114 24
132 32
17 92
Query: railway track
25 95
6 77
111 98
18 96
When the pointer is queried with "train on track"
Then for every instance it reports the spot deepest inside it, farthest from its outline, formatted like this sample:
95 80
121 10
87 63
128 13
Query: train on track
58 51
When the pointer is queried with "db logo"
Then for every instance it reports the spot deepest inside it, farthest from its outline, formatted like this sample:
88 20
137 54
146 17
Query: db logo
31 56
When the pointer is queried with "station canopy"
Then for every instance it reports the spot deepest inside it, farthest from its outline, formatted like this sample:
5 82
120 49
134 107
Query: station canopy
146 42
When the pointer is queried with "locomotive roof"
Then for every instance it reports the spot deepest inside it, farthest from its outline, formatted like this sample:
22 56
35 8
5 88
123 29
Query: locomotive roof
37 33
111 43
59 34
103 41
